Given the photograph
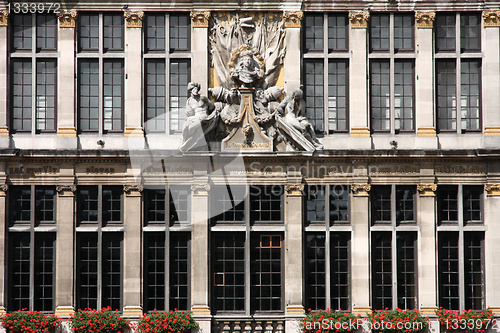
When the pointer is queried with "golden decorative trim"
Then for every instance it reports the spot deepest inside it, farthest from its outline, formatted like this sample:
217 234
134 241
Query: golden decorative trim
200 310
235 54
64 311
4 18
132 311
295 190
200 19
494 309
66 189
361 310
293 19
492 190
492 131
359 20
200 189
2 310
66 131
134 132
428 310
361 190
294 310
133 19
491 18
427 190
426 131
133 190
4 131
425 20
67 18
362 132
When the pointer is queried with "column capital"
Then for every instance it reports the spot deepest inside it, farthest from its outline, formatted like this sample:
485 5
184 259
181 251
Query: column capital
133 19
361 190
133 190
293 19
198 189
491 18
3 190
492 190
425 20
67 18
295 190
4 18
200 19
66 190
359 19
427 190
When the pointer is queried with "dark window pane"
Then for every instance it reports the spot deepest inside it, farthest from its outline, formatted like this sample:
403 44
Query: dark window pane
228 204
88 204
314 94
20 204
154 271
313 32
339 203
337 32
446 95
447 204
470 106
19 271
379 32
315 204
179 270
111 204
403 32
155 32
474 270
46 32
112 270
44 271
179 204
404 111
113 95
445 32
113 32
88 95
340 245
405 204
473 197
380 197
470 32
338 98
448 266
179 79
88 32
155 98
154 204
315 275
87 271
265 203
407 270
46 75
22 32
380 95
44 204
21 95
180 28
381 270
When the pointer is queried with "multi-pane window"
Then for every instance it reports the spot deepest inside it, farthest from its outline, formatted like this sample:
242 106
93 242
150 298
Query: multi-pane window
245 254
31 251
99 246
461 246
392 73
326 68
100 72
458 72
167 71
33 73
167 248
393 246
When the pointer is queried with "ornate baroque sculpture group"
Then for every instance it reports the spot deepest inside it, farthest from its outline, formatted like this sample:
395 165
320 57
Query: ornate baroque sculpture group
248 111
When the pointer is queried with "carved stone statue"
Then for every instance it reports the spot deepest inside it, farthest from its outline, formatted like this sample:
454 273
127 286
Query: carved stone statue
247 73
201 119
228 103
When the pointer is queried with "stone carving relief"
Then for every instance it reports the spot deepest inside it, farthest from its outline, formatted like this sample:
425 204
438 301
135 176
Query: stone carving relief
248 112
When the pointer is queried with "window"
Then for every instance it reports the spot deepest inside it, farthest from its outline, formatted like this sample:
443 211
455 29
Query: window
31 244
167 248
392 73
33 72
100 72
458 72
461 247
385 199
167 71
245 254
326 67
99 248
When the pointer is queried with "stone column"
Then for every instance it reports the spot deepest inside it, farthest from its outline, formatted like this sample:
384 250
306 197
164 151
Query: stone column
200 269
200 49
491 79
426 248
291 62
492 247
64 250
293 253
132 253
66 126
133 74
3 228
4 129
424 74
360 249
358 87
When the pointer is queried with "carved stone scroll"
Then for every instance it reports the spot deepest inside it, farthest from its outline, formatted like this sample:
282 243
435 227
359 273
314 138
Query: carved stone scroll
4 18
361 190
293 19
133 19
492 190
67 18
427 190
61 189
200 19
425 20
133 190
491 18
359 20
295 190
200 189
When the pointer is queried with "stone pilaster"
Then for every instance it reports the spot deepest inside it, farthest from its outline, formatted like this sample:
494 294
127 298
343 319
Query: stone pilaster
132 254
424 106
492 247
199 250
4 129
292 60
133 91
65 244
426 247
358 88
200 48
294 249
3 228
66 126
360 248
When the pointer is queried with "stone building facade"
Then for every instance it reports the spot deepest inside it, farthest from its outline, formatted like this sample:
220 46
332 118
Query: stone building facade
393 206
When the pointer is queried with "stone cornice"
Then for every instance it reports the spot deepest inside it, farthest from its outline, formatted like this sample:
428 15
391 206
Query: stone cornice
67 18
134 19
200 19
359 20
491 18
425 20
293 19
427 190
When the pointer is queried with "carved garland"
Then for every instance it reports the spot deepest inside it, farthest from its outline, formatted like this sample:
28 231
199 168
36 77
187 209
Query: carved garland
295 189
4 18
200 19
491 18
134 19
427 190
361 190
293 19
359 20
67 18
425 20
